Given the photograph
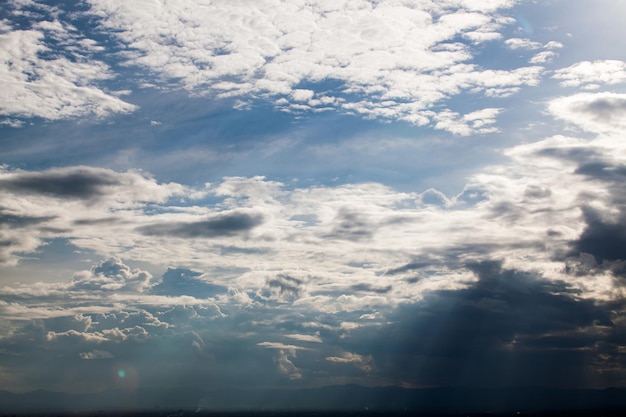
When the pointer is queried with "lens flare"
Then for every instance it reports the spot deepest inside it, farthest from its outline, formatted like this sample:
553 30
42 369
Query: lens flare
525 25
125 377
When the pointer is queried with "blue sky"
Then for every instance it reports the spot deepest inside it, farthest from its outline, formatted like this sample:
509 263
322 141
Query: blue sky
272 194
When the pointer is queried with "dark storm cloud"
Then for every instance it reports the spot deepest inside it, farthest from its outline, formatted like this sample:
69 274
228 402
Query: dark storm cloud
603 239
76 183
509 327
229 224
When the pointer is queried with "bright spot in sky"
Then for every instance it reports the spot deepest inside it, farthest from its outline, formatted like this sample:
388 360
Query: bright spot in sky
121 373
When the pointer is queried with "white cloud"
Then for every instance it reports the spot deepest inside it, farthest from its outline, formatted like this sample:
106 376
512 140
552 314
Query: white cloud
277 345
543 57
365 363
11 123
37 80
47 202
305 338
553 45
589 74
386 55
477 122
522 43
111 275
595 112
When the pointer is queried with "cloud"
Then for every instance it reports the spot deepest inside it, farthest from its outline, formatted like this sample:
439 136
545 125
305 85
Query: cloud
543 57
181 281
111 275
391 60
591 74
54 202
228 224
49 70
605 239
84 183
305 338
365 363
522 43
284 288
96 354
595 112
433 288
465 336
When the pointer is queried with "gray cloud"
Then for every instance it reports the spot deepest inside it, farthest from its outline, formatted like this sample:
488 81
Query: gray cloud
111 275
509 327
603 239
349 224
229 224
75 182
284 288
181 281
18 221
371 288
605 108
603 171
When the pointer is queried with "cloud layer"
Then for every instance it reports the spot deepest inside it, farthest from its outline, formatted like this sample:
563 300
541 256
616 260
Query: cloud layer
474 238
523 267
387 60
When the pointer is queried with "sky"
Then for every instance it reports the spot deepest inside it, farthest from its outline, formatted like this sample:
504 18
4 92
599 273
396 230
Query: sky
303 193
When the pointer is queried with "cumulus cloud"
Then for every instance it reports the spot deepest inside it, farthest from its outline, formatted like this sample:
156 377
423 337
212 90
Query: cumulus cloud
595 112
111 275
591 74
543 57
54 202
386 57
48 70
522 43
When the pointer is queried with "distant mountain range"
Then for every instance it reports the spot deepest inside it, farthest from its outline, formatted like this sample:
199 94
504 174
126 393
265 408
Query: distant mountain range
332 398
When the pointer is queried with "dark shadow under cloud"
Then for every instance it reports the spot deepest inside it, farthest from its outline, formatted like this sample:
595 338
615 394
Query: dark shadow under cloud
17 221
509 328
349 224
604 109
76 183
603 239
230 224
